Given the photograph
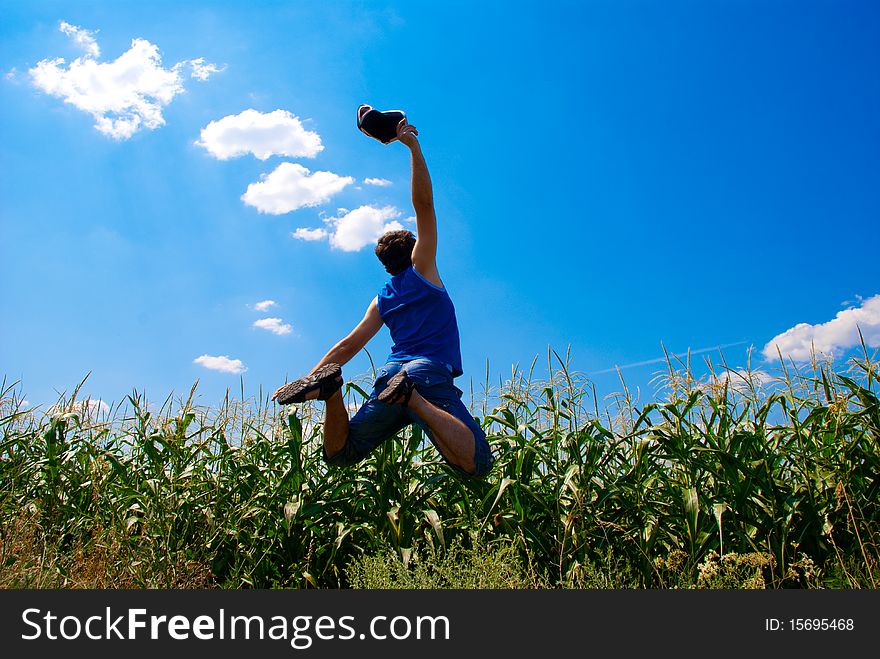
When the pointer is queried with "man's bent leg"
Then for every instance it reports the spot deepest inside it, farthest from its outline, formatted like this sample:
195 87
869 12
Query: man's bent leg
335 425
348 442
454 439
435 405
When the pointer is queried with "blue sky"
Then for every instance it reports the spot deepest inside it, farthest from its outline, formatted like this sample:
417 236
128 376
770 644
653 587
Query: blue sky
608 176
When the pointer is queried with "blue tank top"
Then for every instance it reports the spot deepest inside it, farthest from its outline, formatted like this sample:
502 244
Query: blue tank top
421 319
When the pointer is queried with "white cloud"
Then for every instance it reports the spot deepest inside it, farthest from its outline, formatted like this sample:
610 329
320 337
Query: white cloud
277 133
362 227
831 338
354 230
381 182
310 234
291 186
90 408
85 39
202 70
274 325
222 363
741 379
97 406
123 96
264 305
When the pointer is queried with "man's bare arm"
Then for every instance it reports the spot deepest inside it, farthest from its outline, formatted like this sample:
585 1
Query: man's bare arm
352 344
424 255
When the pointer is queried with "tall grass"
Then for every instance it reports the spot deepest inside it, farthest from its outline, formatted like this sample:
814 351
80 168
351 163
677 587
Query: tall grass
730 481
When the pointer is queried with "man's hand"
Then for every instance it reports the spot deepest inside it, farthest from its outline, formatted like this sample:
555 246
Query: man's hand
407 134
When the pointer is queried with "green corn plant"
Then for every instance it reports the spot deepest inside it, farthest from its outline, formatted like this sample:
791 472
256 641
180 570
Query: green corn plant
238 495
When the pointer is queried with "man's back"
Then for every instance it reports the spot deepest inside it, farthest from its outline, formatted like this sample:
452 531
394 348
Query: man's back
421 318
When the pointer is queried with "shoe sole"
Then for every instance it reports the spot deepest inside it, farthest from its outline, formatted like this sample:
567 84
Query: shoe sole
399 385
296 391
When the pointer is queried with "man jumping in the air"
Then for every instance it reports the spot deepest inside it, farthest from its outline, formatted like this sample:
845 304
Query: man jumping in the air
416 384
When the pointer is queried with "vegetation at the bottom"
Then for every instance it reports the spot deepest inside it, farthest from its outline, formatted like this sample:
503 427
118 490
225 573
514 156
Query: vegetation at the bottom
729 481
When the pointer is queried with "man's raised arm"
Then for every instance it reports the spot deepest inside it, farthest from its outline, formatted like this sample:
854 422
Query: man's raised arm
424 255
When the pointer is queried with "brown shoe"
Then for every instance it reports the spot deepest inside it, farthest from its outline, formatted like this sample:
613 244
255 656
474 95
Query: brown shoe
326 380
399 390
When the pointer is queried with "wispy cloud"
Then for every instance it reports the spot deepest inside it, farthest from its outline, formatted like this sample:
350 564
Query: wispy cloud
202 70
122 96
660 360
353 230
85 39
831 338
263 134
264 305
291 186
221 363
274 325
310 235
381 182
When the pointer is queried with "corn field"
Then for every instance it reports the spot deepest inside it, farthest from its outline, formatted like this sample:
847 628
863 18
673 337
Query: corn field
726 481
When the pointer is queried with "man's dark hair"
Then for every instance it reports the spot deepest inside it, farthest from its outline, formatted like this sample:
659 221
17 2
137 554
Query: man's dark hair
394 250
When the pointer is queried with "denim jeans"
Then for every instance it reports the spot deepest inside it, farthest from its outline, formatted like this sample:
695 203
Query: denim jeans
376 422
